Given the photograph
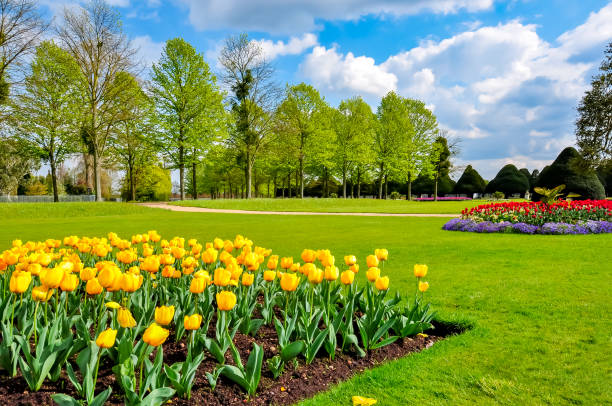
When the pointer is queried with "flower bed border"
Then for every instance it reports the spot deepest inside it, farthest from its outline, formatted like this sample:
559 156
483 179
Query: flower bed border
586 227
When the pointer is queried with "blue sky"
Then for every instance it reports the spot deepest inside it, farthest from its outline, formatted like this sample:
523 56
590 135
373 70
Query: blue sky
504 76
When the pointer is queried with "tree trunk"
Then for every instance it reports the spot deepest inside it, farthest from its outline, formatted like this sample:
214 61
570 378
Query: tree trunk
274 186
352 190
88 172
380 180
182 172
358 183
97 176
249 174
344 180
53 177
409 194
436 188
194 185
289 185
301 177
296 184
132 182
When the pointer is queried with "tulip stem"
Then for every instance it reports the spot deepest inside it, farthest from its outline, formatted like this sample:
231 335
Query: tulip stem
97 366
141 365
35 320
13 313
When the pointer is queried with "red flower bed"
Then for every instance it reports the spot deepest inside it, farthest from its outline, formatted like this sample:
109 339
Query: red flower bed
538 213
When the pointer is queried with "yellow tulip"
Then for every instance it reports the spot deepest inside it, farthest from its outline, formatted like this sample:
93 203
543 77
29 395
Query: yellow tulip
209 256
130 282
295 266
354 268
150 264
125 318
372 274
273 262
315 276
382 283
108 274
93 287
226 300
372 261
309 255
88 273
41 293
192 322
423 286
286 262
20 281
164 315
331 273
155 335
289 282
269 276
347 277
363 401
307 268
222 277
69 282
106 339
112 305
197 285
420 271
350 260
218 243
247 279
381 253
52 277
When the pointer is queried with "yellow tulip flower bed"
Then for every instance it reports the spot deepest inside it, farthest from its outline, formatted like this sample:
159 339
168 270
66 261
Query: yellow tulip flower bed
145 319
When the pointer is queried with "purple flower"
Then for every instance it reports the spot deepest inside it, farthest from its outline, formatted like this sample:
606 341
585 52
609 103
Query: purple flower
584 227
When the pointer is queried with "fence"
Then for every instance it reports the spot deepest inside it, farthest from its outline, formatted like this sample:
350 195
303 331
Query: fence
45 198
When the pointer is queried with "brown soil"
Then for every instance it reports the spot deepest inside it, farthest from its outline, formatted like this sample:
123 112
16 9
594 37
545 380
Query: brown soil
291 387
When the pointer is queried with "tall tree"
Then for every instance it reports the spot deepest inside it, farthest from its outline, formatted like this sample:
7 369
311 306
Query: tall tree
16 160
133 146
46 112
417 142
94 37
300 119
440 159
249 76
393 122
21 27
594 124
354 126
187 98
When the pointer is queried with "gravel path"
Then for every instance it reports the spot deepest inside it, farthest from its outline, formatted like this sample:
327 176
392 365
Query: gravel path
290 213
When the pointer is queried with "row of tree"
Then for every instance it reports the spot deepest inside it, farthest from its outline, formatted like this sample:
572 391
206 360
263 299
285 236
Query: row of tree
84 94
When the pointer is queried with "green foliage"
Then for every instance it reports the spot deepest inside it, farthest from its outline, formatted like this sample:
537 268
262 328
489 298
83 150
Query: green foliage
569 170
508 180
594 124
604 173
426 185
153 184
16 160
470 182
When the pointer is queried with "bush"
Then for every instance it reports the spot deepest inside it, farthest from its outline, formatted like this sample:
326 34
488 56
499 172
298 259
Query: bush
470 182
569 170
395 195
152 183
425 185
498 195
333 196
508 180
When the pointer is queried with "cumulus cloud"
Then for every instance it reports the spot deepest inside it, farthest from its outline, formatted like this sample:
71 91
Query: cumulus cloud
503 89
283 17
335 72
149 51
294 46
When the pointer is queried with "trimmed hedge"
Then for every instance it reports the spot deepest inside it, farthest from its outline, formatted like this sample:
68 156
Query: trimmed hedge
470 182
508 180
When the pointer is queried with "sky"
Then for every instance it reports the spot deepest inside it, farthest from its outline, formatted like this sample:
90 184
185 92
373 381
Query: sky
504 76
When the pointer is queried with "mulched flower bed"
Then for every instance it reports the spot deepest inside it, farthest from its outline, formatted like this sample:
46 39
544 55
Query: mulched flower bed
291 387
584 227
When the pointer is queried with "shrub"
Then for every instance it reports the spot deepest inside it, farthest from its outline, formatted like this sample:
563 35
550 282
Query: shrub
569 170
509 180
498 195
470 182
395 195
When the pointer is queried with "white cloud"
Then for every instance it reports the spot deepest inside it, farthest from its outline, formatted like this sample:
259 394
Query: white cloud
281 16
328 69
294 46
119 3
149 51
503 89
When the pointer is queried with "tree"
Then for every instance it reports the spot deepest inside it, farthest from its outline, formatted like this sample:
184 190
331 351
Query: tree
393 122
354 127
46 112
594 123
93 36
21 28
440 159
187 100
299 118
417 142
133 145
249 76
509 180
470 182
568 169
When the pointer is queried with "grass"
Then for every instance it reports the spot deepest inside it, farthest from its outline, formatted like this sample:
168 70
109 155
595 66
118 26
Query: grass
540 305
336 205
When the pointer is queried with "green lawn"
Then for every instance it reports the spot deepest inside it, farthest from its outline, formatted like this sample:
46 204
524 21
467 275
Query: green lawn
541 305
336 205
